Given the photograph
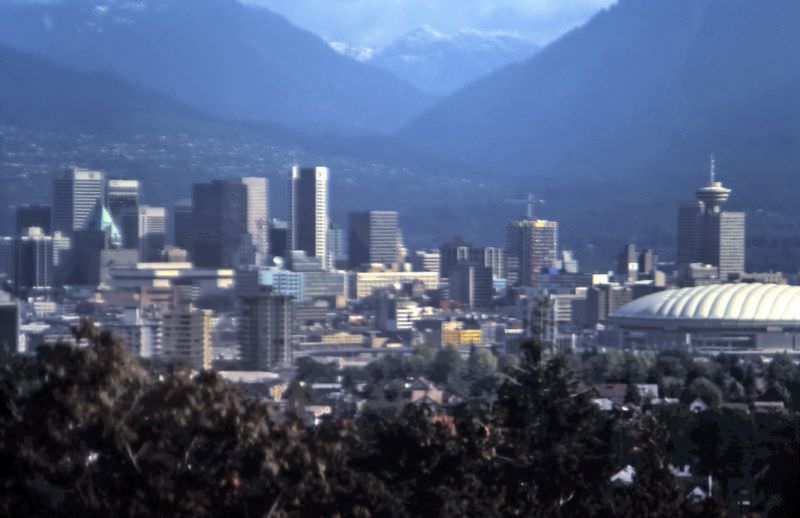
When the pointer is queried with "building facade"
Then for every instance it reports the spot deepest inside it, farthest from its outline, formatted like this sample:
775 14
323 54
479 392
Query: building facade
531 247
152 228
122 200
308 211
257 216
266 324
77 193
471 284
186 336
219 210
374 238
710 236
28 216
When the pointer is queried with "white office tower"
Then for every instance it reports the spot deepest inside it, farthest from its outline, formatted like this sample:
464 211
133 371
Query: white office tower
76 195
186 336
258 216
152 233
308 211
427 261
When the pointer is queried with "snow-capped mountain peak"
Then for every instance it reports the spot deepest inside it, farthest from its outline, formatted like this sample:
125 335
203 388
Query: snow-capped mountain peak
441 63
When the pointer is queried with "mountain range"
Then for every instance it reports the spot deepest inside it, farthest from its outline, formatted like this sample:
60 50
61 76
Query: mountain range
440 63
219 56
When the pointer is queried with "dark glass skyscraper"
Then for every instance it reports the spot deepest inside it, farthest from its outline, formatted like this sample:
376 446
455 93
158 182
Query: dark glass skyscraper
266 323
308 211
219 211
29 216
122 199
373 238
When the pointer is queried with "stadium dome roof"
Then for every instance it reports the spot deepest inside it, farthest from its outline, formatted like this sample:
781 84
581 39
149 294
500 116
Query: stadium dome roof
719 302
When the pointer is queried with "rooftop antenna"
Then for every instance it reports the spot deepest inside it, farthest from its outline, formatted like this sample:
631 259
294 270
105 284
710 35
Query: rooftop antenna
713 171
531 202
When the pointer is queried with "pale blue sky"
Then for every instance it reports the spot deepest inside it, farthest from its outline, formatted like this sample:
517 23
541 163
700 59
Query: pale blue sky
376 22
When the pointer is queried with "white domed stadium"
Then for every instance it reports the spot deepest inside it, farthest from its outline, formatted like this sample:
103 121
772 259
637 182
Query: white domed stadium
734 317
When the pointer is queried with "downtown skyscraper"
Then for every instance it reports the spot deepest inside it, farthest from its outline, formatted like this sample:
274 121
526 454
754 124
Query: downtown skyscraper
122 200
77 195
257 215
531 247
308 212
710 236
374 238
229 222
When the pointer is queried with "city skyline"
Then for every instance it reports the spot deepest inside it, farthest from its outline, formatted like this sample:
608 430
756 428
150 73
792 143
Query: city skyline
399 258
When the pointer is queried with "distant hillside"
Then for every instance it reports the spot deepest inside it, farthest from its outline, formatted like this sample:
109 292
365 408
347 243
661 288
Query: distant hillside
443 63
219 56
634 82
34 91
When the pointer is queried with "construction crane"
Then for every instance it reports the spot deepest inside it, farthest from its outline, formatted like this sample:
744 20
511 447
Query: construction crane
531 202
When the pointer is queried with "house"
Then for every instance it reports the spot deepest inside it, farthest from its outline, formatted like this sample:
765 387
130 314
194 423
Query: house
647 391
616 392
313 414
769 407
423 389
698 494
604 404
624 476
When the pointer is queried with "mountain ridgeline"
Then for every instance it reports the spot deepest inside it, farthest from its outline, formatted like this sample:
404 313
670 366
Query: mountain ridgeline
443 63
219 56
648 87
36 92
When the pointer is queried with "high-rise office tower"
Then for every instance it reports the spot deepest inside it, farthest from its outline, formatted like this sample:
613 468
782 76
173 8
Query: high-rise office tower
451 254
122 200
7 258
186 336
219 223
29 216
33 262
152 233
709 235
308 211
628 263
278 238
85 257
427 261
229 222
373 238
182 225
491 257
9 324
567 263
336 245
531 246
472 284
258 215
77 193
647 262
266 323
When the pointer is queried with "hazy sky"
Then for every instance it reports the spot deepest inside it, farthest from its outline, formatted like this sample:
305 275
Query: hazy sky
376 22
